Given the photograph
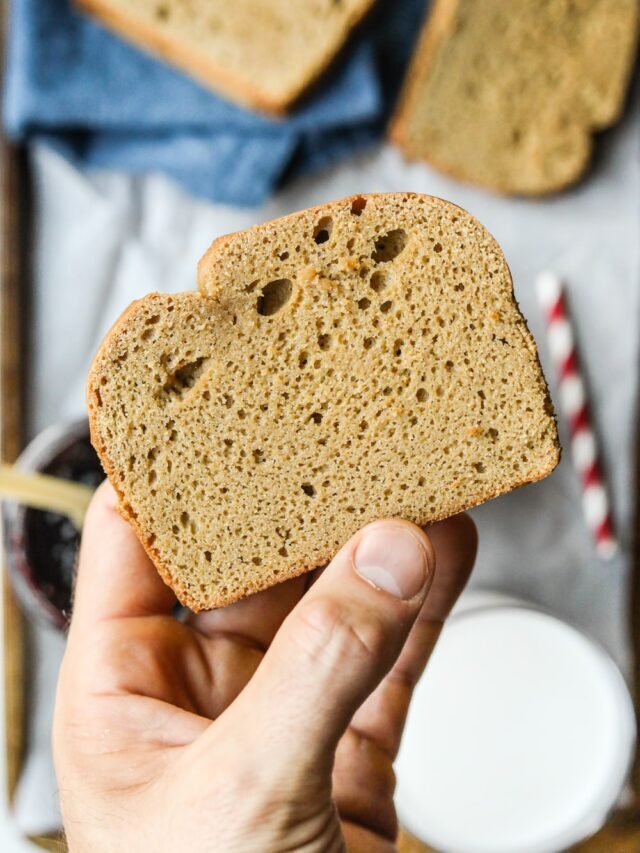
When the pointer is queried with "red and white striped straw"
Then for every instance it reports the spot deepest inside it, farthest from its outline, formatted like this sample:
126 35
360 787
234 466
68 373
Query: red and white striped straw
575 408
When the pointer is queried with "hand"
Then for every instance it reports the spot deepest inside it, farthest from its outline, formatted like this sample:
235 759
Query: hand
270 725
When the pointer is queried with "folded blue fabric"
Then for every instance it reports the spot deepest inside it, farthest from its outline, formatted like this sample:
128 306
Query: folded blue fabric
102 102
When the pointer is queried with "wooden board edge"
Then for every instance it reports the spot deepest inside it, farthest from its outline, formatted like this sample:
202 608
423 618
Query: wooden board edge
13 251
11 438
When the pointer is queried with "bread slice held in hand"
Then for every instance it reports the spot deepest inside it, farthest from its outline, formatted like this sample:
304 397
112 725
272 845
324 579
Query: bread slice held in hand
358 360
259 53
508 95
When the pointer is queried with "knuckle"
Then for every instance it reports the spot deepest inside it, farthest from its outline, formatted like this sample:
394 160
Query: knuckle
362 761
331 632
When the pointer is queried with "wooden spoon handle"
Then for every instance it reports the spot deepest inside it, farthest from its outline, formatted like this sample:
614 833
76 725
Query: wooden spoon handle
43 491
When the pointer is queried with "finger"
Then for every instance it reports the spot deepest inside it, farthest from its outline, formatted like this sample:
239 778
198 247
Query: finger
358 839
337 644
382 716
370 745
363 784
115 576
254 620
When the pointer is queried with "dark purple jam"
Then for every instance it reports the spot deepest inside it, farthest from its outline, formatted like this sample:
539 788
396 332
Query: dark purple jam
51 540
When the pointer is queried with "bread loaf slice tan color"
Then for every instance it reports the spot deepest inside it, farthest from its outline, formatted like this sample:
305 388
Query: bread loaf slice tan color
508 95
358 360
260 53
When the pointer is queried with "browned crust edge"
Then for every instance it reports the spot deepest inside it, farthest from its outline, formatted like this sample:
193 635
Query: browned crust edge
129 514
437 26
206 70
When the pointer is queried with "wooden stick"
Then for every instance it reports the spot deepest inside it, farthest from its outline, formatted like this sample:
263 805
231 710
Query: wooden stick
43 491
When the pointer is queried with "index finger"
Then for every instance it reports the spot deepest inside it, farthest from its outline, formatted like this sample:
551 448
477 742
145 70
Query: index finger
116 578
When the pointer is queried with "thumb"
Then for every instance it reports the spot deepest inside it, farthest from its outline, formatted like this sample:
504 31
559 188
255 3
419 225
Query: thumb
339 642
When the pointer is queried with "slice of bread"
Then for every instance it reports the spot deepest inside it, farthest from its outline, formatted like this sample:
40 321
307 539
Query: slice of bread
358 360
508 95
260 53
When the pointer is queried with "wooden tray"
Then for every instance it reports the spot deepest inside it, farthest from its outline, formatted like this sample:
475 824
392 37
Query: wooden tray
14 299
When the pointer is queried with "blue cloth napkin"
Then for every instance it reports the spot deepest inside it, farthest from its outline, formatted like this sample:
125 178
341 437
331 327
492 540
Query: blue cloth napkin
102 102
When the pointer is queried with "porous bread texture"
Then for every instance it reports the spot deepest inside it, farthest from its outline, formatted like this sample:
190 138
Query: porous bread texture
259 53
508 95
359 360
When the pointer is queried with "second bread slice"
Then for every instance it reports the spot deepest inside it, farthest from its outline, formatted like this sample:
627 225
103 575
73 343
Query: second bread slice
507 95
355 361
259 53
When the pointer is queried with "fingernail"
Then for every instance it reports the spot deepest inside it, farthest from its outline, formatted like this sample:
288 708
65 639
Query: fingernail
392 558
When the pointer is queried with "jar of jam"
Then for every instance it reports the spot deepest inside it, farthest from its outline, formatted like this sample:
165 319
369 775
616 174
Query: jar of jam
42 546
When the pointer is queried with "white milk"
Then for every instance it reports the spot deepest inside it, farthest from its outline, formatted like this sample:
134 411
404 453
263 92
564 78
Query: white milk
519 737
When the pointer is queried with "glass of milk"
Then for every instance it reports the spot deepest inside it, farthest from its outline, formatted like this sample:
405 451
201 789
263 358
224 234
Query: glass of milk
520 736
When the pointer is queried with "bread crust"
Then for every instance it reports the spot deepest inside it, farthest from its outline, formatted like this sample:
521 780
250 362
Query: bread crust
161 41
438 26
254 584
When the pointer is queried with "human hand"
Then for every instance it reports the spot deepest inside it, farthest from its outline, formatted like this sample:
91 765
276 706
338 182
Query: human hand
270 725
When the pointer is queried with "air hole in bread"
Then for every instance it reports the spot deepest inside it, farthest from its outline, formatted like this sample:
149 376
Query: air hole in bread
316 417
185 378
437 247
390 245
358 205
421 395
386 306
380 280
364 303
309 490
322 231
274 297
325 341
479 466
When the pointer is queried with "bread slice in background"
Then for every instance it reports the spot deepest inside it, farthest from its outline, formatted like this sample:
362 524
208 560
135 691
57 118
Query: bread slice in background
260 53
508 95
358 360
